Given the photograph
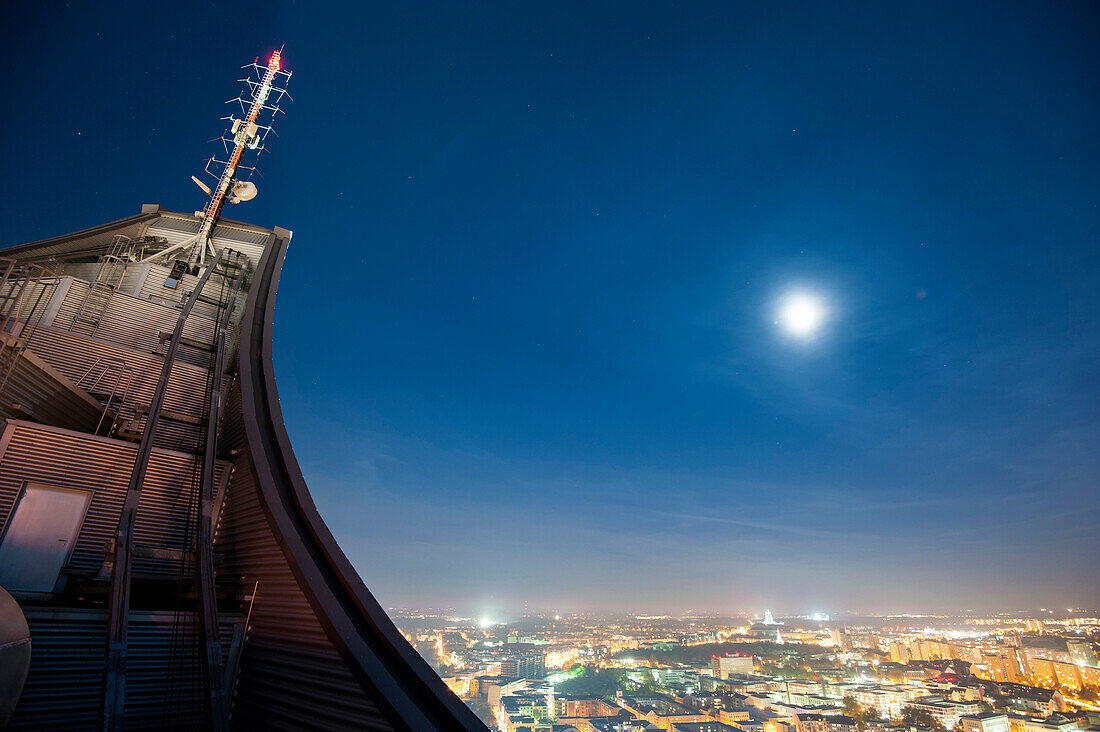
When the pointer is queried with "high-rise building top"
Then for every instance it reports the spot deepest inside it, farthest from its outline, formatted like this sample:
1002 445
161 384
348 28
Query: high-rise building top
155 528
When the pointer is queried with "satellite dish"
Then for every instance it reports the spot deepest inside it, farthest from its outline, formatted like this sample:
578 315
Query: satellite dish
15 655
242 190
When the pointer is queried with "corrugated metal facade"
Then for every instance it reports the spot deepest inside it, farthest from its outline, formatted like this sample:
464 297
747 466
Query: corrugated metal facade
87 243
288 657
63 687
32 388
73 355
318 653
83 359
131 321
389 671
45 454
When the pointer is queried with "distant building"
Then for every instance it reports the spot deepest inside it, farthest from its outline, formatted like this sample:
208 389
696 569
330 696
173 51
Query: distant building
984 722
945 712
526 665
840 638
899 652
582 707
616 724
810 722
767 631
661 710
1080 652
1053 723
886 699
729 665
1033 698
701 727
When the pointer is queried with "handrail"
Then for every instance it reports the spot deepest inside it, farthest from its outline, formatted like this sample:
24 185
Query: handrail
15 310
108 364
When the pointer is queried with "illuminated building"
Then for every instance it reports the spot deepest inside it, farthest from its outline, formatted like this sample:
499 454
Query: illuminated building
529 665
1053 723
945 712
1037 699
899 652
887 699
811 722
1081 653
732 664
840 638
579 707
701 727
984 722
659 710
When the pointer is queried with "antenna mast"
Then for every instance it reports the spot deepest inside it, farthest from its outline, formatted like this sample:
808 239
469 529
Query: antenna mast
264 89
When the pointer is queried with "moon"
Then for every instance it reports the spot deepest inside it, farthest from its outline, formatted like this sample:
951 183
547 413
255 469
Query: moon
801 314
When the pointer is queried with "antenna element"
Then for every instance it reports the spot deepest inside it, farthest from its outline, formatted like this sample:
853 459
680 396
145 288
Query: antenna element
243 141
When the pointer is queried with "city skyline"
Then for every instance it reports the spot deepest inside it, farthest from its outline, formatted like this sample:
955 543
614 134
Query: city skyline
1023 673
557 364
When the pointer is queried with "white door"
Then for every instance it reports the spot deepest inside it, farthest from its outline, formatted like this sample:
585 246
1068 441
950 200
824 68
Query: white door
40 537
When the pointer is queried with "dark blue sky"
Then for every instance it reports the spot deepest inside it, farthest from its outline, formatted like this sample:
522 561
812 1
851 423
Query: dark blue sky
525 338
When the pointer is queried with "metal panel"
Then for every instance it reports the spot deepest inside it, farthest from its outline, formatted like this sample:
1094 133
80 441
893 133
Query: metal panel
168 224
291 676
131 321
153 289
73 355
33 293
39 536
42 454
85 271
63 686
247 239
30 387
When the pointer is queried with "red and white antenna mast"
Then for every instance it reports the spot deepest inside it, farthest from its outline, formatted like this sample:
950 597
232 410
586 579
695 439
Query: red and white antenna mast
243 141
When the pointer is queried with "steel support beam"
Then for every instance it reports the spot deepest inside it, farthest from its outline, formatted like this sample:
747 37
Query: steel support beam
118 613
216 693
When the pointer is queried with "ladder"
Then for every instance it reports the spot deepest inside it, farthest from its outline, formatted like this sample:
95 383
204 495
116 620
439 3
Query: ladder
112 267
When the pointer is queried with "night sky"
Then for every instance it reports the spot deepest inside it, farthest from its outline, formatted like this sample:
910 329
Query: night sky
526 340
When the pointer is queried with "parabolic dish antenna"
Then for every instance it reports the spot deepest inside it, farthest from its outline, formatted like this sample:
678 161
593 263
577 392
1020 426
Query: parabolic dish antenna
243 190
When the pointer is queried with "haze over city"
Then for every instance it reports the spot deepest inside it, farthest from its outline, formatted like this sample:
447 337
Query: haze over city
644 307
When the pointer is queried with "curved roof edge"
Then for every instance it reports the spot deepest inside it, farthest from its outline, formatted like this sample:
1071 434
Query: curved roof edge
148 213
376 652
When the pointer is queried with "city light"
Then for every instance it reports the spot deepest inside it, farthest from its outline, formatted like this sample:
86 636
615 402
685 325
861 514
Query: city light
950 668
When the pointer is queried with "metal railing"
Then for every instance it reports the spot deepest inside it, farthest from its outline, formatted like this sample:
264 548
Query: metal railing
101 368
23 300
